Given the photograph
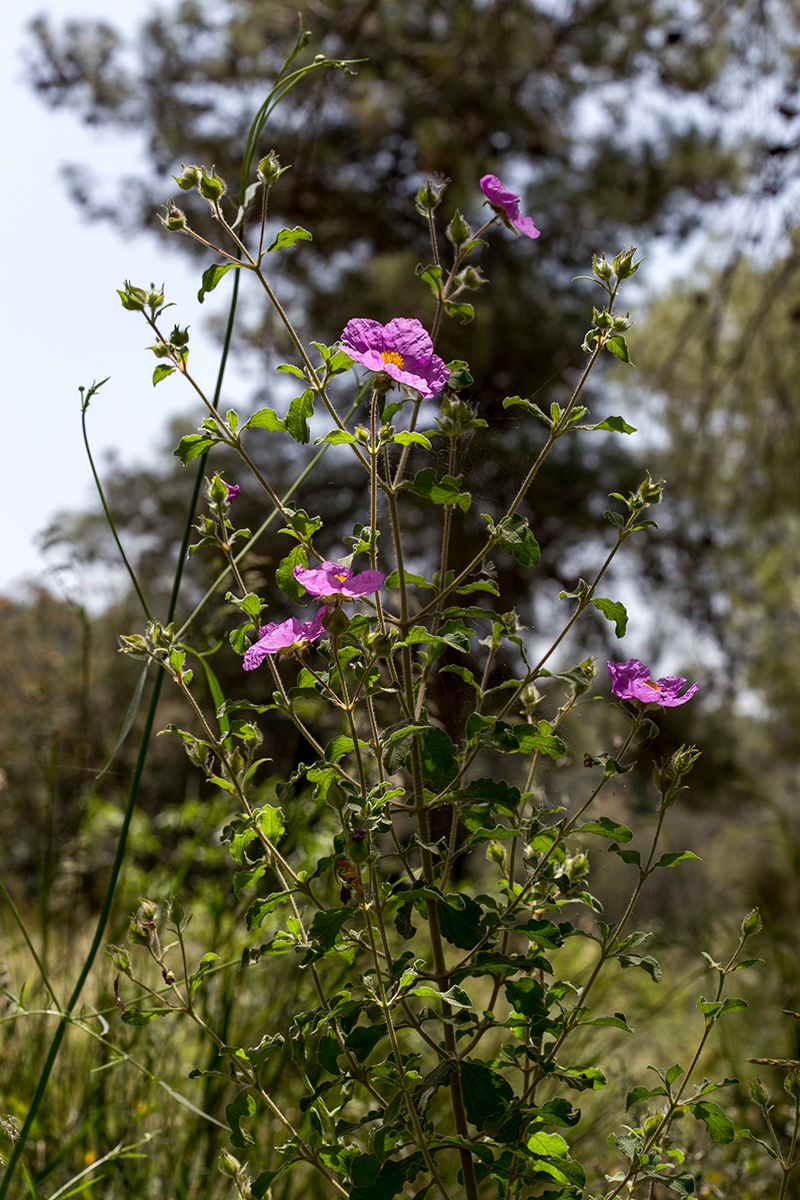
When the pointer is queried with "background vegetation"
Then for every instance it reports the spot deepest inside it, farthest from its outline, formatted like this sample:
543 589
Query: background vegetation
620 121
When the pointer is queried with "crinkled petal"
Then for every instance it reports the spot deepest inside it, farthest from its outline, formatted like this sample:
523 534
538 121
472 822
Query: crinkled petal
495 193
272 639
409 338
502 198
325 580
525 225
362 334
363 584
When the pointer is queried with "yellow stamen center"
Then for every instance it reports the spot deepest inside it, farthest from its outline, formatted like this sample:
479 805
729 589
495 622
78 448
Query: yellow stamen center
391 356
653 685
341 578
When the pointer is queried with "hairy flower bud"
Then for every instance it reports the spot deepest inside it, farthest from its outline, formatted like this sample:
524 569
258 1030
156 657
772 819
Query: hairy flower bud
270 169
759 1091
430 194
211 186
751 924
624 266
602 268
175 220
458 231
188 179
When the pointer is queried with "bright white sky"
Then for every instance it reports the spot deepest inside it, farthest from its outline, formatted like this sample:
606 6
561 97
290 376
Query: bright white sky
63 323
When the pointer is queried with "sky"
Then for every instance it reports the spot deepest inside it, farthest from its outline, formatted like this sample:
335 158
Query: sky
62 321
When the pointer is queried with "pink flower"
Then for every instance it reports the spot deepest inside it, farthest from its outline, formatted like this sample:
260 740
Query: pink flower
287 638
233 491
500 197
631 681
402 349
332 581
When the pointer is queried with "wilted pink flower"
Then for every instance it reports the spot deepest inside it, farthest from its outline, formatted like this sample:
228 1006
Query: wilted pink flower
286 638
631 681
233 491
332 581
402 349
501 198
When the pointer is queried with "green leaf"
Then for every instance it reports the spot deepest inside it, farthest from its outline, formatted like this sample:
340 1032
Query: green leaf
515 538
337 437
527 996
642 1093
530 739
465 311
262 907
619 348
288 237
719 1126
406 438
193 445
462 927
211 278
425 1091
138 1016
613 611
301 408
390 1179
161 372
582 1078
441 491
496 793
203 966
454 996
607 828
284 576
612 424
486 1092
242 1108
324 929
671 860
648 964
733 1004
363 1039
616 1022
265 418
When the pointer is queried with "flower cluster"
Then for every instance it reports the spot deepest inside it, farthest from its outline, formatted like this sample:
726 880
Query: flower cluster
331 583
631 681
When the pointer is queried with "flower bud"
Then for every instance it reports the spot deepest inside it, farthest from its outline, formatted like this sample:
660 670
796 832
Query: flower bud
133 298
138 935
188 179
495 852
176 912
471 277
216 490
211 186
155 297
791 1084
602 268
624 266
336 796
759 1091
336 621
175 220
270 169
229 1165
751 924
458 231
430 194
684 759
